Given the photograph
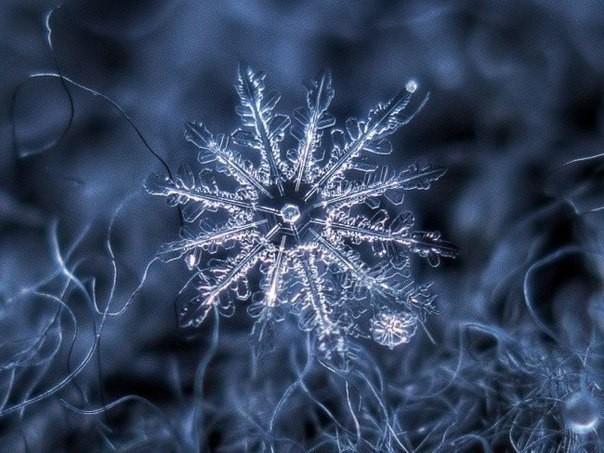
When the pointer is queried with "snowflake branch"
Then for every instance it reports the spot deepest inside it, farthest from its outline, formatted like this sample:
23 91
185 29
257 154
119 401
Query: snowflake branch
180 192
201 137
275 280
318 312
241 266
315 294
376 184
312 120
265 129
427 244
383 121
184 246
356 268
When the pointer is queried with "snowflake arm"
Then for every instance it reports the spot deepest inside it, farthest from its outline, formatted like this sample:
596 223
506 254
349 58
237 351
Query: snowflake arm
265 307
311 121
232 272
262 129
374 185
350 262
186 190
276 276
317 312
427 244
383 120
228 275
216 148
219 236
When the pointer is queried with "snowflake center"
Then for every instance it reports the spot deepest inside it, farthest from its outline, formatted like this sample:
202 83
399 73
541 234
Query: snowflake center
290 213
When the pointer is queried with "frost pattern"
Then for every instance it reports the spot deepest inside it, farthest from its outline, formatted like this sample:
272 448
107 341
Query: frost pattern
307 225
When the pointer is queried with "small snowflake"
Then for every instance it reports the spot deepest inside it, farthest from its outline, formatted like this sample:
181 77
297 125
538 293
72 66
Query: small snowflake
393 329
304 227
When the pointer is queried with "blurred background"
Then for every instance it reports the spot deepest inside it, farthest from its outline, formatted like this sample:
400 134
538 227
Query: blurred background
515 114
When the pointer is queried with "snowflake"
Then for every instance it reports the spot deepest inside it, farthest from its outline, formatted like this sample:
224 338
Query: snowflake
296 222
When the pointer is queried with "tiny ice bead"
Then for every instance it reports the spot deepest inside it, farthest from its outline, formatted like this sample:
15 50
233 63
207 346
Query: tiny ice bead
191 261
581 412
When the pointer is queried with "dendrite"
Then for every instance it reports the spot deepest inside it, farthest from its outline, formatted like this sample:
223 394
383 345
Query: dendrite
306 215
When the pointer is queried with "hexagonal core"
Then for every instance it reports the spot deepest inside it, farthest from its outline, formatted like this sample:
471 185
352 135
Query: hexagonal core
290 213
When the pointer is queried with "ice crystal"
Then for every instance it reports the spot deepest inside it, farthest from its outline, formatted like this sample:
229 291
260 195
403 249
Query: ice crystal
300 223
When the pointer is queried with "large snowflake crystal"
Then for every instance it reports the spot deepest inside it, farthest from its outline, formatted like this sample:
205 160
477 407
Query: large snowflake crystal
297 222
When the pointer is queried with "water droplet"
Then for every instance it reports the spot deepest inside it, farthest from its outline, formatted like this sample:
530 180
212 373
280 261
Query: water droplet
411 86
191 260
581 412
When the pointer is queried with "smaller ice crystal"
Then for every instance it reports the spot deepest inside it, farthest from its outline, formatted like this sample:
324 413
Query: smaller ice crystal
290 213
581 412
392 329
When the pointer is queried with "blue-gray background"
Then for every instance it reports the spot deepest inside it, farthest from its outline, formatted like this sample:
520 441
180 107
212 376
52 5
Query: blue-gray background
516 92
